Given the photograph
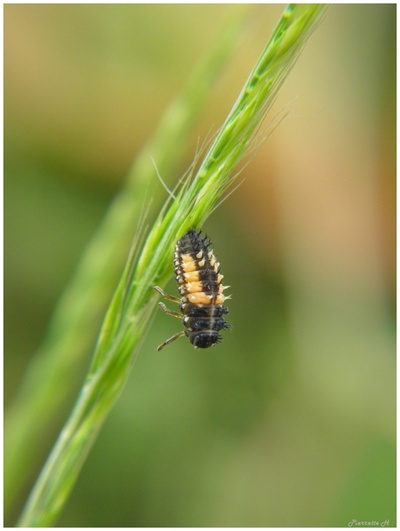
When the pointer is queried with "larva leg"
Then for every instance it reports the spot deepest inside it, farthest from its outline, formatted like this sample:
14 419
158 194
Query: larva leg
169 312
165 296
168 341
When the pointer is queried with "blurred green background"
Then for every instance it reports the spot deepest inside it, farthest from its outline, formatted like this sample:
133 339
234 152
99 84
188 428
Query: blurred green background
291 420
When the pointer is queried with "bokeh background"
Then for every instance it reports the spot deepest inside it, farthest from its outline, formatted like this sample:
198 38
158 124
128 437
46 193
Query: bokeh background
291 420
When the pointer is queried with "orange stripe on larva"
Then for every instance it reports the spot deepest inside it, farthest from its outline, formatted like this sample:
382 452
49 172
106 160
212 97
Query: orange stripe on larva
192 276
187 263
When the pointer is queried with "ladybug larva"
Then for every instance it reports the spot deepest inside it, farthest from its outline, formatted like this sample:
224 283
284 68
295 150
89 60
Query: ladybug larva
202 300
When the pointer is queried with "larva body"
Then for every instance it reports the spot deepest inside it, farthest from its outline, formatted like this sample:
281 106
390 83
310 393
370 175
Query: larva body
197 272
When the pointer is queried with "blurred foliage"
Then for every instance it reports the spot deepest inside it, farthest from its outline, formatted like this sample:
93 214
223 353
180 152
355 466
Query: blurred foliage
291 421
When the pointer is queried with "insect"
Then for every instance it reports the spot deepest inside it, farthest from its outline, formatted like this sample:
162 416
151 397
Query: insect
199 283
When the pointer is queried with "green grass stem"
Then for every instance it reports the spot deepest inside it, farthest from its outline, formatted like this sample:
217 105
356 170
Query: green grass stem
149 264
47 384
